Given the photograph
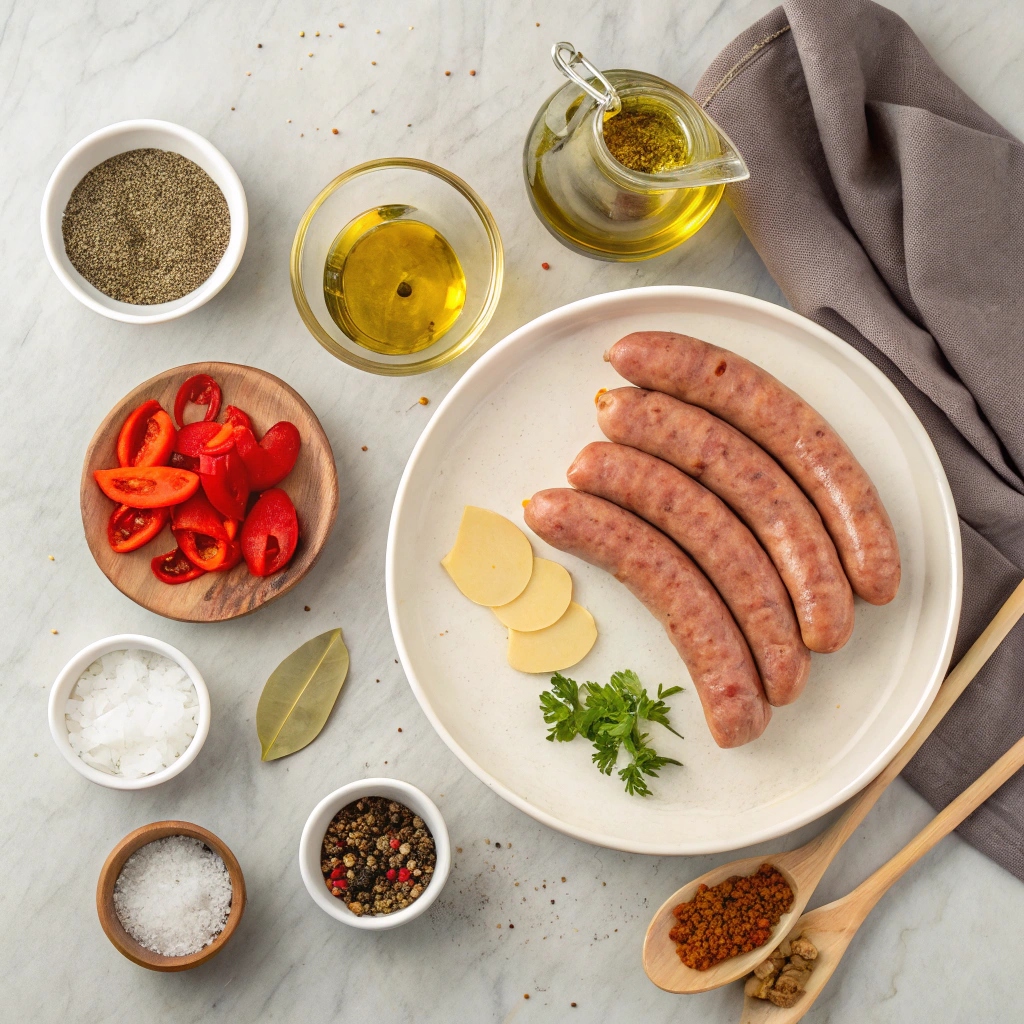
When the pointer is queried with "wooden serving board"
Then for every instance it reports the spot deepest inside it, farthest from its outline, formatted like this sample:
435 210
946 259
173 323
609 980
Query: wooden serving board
312 485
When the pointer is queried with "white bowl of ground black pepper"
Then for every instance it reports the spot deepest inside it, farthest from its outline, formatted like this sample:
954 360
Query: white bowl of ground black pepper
405 819
144 221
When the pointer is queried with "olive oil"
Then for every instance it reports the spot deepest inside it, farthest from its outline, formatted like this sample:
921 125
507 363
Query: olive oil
392 283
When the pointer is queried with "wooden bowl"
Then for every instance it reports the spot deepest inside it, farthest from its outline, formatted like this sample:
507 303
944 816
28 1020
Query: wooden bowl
111 923
312 486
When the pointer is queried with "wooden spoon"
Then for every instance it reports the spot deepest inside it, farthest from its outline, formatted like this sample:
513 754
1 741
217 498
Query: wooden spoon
832 927
804 866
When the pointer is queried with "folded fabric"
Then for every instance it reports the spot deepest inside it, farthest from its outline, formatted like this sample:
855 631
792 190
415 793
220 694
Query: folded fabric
890 209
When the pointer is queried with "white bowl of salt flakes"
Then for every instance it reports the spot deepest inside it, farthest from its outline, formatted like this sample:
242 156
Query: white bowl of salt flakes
129 712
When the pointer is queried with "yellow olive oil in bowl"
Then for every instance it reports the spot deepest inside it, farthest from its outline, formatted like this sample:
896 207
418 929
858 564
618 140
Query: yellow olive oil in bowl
392 283
396 266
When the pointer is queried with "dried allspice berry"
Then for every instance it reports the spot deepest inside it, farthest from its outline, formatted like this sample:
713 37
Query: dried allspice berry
146 226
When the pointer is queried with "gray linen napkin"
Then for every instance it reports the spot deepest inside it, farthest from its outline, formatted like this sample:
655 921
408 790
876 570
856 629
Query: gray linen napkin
890 209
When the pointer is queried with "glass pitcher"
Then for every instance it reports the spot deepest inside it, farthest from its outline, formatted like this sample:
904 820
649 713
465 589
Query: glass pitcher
599 206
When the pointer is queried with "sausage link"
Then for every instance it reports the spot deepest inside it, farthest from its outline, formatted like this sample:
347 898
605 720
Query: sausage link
785 426
727 552
675 591
757 489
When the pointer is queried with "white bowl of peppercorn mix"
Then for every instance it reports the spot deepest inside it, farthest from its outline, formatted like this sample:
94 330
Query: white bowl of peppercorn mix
357 847
144 221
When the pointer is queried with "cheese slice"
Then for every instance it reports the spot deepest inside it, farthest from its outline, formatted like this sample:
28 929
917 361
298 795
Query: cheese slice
492 561
544 600
558 646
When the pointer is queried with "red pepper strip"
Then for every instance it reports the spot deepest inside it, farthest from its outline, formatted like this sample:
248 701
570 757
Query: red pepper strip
270 533
201 389
147 486
237 417
130 528
193 437
199 516
270 461
225 483
206 553
221 442
146 438
174 567
233 558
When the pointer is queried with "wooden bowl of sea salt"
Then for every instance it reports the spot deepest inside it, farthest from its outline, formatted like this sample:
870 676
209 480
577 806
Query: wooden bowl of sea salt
178 888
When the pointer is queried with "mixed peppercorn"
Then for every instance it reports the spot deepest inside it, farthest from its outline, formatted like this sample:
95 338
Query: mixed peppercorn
377 856
733 917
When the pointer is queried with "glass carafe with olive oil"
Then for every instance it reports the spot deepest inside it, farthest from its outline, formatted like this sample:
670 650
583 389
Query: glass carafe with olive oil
393 283
622 165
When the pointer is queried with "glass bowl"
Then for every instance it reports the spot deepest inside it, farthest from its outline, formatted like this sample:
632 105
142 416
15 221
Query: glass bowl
441 200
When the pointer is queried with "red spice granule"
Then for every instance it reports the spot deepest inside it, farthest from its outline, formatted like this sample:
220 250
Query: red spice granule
733 917
545 266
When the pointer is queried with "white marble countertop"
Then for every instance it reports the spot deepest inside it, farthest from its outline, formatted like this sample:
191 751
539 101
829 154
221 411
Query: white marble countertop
945 944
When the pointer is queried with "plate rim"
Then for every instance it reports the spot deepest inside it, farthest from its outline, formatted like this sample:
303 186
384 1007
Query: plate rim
579 309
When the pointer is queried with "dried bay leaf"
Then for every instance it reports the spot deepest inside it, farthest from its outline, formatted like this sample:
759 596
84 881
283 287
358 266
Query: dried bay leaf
299 695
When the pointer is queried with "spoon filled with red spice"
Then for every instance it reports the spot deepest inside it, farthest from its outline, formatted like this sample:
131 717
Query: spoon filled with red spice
720 926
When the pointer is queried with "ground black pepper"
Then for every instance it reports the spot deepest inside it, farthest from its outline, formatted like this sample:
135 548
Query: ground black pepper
146 226
377 856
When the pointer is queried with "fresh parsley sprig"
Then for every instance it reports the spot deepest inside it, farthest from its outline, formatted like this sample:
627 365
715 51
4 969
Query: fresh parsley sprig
609 716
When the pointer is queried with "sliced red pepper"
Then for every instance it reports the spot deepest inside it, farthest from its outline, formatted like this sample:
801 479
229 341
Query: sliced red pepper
201 389
174 567
234 556
199 516
147 437
270 533
225 483
147 486
270 461
204 552
237 417
193 437
130 528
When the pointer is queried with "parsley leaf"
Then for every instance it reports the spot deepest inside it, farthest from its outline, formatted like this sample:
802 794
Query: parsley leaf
609 716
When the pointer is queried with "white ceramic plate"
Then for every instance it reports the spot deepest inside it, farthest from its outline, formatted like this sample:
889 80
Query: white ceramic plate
512 426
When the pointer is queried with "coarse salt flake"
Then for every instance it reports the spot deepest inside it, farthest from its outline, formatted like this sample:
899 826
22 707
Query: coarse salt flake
132 713
173 895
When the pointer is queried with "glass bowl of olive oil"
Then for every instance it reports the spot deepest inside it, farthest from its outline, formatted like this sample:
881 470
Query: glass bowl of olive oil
396 266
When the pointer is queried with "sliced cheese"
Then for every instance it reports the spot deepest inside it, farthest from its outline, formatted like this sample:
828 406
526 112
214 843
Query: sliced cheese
556 647
492 561
544 600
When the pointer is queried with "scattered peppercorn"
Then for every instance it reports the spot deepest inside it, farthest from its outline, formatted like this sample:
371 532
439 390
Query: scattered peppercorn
572 1004
334 131
546 266
259 46
305 608
377 856
424 400
365 449
472 72
341 24
54 632
302 34
374 63
526 995
447 74
399 728
733 917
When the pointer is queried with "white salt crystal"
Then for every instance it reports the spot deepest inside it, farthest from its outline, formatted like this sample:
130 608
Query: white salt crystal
173 895
132 713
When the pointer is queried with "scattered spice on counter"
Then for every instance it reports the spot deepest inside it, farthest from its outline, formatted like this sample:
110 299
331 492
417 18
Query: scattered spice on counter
374 63
334 131
50 557
341 24
448 74
54 632
365 449
377 856
259 46
316 33
146 226
782 978
473 73
424 400
173 895
545 266
302 34
132 713
305 608
733 917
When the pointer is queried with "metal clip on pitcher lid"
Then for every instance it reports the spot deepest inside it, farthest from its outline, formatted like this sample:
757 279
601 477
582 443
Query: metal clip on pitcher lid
566 57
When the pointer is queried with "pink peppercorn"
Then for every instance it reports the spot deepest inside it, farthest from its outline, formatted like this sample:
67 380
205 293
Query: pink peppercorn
341 883
403 875
395 844
392 874
337 873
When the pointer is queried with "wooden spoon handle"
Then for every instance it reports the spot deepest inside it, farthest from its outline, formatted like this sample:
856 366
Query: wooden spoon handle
956 682
940 826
